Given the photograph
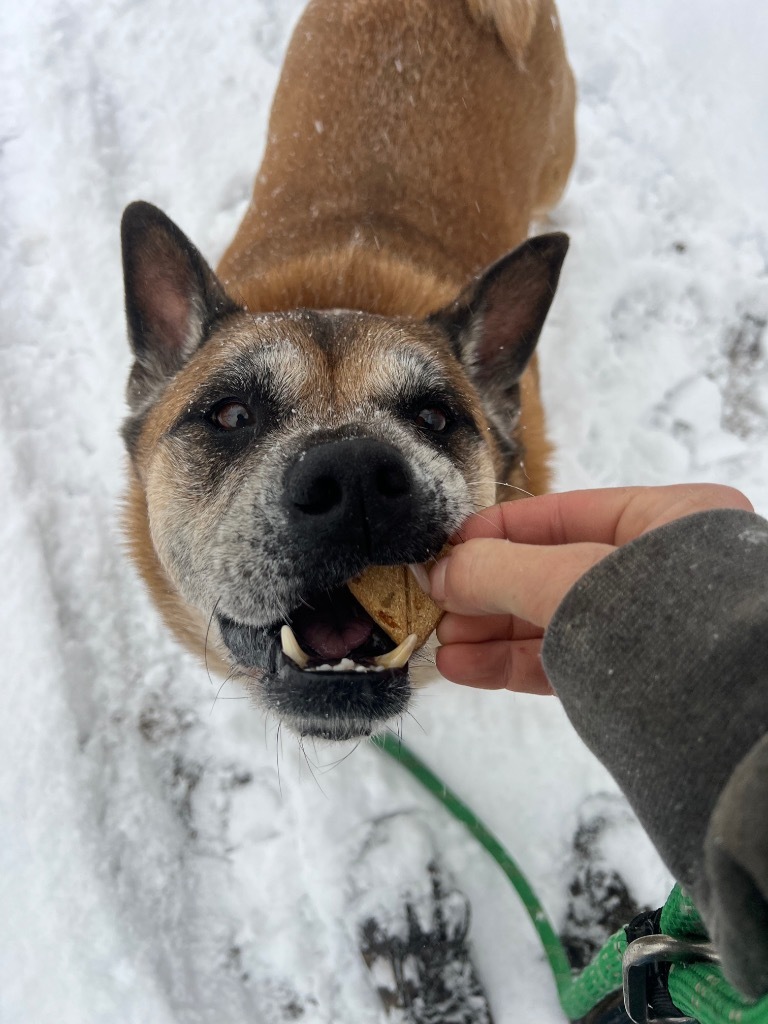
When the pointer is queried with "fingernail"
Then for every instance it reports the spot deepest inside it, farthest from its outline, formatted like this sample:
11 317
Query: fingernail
437 580
421 575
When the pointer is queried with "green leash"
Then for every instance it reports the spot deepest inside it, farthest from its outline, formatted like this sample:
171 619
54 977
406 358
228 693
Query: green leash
699 990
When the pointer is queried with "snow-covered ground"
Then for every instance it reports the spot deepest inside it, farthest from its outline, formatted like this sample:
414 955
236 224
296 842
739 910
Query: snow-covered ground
163 857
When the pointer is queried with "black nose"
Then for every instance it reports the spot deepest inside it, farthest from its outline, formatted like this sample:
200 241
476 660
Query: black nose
355 493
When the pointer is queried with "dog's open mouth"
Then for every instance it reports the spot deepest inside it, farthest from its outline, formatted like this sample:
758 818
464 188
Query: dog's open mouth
333 672
334 633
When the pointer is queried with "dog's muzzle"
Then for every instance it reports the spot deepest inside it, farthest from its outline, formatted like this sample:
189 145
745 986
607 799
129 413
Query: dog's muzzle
326 668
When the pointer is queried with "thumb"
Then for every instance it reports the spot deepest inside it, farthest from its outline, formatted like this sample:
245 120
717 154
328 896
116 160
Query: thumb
494 577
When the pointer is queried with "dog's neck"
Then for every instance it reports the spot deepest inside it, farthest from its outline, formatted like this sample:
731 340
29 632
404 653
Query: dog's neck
349 277
379 264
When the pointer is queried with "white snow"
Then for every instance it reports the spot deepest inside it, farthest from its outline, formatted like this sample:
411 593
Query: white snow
165 856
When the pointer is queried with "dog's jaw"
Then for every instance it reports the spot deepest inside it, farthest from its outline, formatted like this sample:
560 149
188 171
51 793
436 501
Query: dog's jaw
346 695
337 705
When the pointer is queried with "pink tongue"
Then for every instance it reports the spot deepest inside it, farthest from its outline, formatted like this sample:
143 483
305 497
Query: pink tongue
335 639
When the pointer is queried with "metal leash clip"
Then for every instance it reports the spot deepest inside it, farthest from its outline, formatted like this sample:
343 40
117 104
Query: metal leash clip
645 970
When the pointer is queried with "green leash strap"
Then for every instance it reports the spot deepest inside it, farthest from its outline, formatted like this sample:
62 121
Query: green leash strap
699 990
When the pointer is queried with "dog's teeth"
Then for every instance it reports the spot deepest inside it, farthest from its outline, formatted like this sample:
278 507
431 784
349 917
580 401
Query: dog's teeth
291 648
346 665
400 655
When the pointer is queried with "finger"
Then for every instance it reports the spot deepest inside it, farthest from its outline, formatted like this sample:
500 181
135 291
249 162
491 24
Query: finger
649 509
496 665
604 516
474 629
493 577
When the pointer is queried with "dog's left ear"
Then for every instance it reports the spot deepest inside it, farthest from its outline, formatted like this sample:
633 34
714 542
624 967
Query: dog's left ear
495 322
172 297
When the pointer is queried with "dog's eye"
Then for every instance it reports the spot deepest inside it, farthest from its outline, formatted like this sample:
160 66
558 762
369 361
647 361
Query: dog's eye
432 418
231 415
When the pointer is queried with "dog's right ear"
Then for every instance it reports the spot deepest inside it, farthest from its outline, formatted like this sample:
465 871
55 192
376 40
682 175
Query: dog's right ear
495 323
172 298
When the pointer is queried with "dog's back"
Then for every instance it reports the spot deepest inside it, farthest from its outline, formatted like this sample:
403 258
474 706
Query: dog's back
426 131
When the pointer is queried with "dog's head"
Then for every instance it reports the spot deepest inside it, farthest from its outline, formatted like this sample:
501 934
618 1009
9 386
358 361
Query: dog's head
277 455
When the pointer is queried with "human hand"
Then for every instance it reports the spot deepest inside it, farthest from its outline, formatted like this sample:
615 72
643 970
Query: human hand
515 562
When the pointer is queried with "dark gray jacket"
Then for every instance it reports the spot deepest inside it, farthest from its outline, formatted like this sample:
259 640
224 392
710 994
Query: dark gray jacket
659 655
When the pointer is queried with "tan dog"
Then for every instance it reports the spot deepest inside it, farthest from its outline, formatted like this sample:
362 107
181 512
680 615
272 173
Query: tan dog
347 392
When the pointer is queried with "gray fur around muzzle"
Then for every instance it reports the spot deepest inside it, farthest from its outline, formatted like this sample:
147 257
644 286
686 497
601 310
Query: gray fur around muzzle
348 503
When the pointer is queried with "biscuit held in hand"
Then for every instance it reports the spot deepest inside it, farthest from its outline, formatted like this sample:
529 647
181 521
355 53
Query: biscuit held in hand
395 601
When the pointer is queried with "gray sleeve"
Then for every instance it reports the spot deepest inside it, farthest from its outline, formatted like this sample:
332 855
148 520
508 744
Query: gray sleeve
659 655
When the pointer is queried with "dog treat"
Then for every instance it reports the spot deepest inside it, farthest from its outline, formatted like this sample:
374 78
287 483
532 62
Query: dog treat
396 602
